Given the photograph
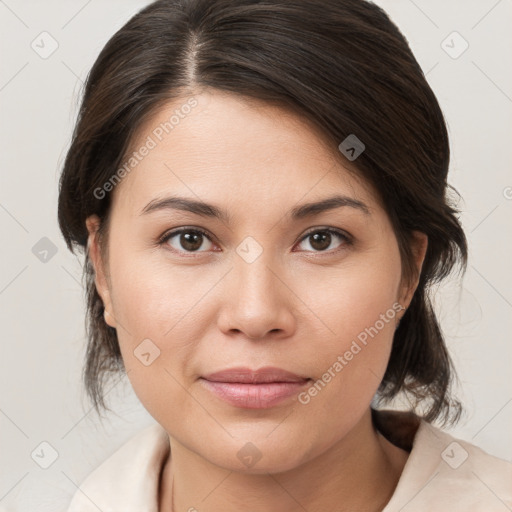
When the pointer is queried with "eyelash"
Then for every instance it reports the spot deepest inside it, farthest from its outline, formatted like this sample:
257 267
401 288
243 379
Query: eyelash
170 234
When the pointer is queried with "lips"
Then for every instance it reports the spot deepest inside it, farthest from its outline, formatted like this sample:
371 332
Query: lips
261 376
254 389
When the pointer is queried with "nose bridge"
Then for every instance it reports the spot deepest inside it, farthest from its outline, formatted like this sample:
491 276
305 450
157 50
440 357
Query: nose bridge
255 282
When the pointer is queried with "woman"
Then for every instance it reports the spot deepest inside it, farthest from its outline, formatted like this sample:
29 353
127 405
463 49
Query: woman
260 188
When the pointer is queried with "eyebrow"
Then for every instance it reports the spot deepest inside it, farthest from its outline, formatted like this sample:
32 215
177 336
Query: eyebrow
209 210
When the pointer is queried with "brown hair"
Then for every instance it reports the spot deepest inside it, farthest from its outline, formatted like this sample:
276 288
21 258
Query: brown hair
341 64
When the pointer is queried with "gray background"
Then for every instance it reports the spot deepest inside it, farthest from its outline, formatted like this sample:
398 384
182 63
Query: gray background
41 302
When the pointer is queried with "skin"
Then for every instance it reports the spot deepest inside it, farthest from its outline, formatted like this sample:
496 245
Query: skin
296 307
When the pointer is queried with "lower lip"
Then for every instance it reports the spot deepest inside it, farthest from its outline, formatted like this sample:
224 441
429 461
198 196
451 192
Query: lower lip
254 396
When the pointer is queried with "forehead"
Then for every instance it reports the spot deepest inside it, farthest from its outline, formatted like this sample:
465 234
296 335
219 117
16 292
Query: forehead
217 144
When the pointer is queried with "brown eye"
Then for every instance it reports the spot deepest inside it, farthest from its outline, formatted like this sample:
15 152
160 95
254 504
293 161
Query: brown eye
322 239
187 240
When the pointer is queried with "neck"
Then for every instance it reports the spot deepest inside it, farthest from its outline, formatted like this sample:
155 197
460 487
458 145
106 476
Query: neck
358 472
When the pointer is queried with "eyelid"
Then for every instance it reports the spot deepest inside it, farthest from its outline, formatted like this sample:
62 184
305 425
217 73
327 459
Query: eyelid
329 229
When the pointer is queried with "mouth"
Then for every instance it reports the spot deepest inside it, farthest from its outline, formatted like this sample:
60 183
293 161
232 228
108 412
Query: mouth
254 389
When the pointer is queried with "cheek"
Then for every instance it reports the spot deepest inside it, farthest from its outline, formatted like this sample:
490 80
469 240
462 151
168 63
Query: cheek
153 297
359 308
351 298
350 368
158 313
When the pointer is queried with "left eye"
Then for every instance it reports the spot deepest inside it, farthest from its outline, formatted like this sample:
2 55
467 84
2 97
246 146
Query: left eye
321 239
188 240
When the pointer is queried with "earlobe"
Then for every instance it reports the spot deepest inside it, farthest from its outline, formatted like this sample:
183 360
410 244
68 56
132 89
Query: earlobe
93 250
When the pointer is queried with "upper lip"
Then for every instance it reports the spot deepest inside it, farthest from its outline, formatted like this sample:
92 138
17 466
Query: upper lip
246 375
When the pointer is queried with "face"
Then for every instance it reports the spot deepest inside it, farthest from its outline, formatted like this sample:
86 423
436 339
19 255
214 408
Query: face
266 282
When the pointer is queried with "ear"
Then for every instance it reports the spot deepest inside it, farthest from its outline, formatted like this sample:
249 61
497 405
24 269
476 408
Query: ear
419 244
100 280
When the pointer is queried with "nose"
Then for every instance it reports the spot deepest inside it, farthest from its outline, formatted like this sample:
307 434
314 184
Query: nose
258 302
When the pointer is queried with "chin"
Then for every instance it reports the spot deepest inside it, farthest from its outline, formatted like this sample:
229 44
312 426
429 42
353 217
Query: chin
257 458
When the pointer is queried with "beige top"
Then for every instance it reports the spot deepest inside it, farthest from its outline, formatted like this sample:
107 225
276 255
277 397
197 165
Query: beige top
441 474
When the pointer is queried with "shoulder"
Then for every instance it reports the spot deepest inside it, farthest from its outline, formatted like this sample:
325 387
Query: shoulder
446 473
128 479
